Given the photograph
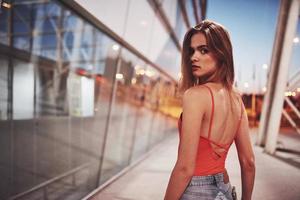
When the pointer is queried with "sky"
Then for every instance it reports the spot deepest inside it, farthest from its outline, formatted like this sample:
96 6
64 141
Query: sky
252 26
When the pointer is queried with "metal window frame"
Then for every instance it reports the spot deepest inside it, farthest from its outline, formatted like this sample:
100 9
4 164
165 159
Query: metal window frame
166 23
83 13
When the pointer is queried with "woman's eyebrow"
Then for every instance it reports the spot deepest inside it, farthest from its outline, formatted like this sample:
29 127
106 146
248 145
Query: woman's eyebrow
200 46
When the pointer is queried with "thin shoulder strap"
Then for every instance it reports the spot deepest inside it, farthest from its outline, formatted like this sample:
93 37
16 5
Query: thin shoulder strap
242 112
212 110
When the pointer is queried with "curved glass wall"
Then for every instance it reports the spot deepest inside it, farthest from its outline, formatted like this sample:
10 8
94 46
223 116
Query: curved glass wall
138 23
76 107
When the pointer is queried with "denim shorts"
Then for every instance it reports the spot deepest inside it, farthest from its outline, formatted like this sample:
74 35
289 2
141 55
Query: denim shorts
211 187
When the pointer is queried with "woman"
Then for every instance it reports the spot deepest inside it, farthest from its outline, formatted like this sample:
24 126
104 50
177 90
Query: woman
213 118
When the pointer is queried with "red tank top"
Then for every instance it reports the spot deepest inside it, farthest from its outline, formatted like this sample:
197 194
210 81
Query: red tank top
209 161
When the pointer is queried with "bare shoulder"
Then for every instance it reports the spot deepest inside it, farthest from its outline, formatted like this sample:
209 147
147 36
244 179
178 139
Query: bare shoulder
195 100
198 90
196 94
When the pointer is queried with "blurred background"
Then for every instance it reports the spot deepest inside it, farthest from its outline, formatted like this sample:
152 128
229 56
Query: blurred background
88 87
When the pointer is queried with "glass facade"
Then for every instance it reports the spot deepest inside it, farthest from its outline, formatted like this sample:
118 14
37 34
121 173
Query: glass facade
138 23
76 107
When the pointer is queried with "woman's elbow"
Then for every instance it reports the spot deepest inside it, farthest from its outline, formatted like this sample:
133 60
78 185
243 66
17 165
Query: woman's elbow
186 170
248 164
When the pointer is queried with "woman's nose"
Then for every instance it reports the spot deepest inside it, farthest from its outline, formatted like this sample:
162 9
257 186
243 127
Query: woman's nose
194 57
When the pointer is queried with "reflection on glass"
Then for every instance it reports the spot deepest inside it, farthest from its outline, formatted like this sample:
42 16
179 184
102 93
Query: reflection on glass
3 88
122 121
22 42
74 109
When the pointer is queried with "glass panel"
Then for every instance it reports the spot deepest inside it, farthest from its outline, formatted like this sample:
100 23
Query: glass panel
170 8
45 41
21 27
158 128
3 88
23 133
190 12
123 120
4 13
38 11
52 10
22 42
5 145
48 25
139 30
22 11
180 27
162 50
153 100
106 11
71 21
47 53
60 112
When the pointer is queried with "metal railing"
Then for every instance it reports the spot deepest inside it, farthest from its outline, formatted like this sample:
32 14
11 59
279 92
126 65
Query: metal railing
43 186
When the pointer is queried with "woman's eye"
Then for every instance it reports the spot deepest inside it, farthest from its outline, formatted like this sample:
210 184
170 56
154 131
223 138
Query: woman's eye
203 51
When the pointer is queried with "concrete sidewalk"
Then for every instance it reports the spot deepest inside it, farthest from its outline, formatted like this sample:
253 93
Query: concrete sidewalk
275 180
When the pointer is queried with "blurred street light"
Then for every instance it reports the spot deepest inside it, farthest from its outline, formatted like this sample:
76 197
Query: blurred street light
133 81
265 66
289 93
119 76
115 47
5 5
149 73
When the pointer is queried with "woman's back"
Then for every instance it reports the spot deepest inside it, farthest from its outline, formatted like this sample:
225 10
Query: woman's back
224 114
221 119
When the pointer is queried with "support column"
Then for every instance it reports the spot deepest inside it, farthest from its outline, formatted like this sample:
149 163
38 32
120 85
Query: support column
273 102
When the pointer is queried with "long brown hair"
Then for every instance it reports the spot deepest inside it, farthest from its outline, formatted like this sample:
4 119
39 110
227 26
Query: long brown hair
218 42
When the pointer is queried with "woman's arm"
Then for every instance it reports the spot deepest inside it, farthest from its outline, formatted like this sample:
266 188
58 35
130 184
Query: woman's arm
246 157
194 104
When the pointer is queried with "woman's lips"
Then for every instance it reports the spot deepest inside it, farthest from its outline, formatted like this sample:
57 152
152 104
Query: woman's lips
194 67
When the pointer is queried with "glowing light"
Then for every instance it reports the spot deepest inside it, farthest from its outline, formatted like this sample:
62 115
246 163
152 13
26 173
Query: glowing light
179 75
265 66
246 85
298 89
264 89
140 72
133 81
149 73
296 40
115 47
119 76
6 5
289 93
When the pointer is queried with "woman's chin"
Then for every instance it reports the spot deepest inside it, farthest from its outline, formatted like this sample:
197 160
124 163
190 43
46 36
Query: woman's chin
197 75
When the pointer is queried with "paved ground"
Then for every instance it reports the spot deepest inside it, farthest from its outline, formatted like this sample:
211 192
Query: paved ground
275 178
